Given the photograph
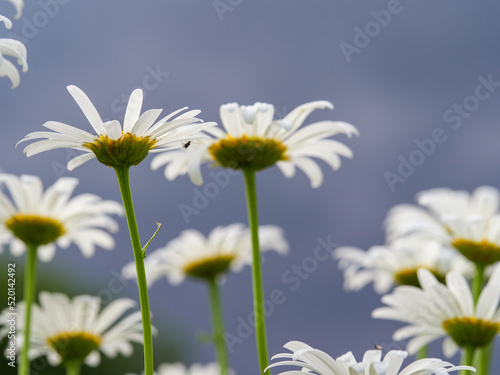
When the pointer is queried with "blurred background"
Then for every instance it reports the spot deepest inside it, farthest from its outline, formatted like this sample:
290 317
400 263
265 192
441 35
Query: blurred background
405 73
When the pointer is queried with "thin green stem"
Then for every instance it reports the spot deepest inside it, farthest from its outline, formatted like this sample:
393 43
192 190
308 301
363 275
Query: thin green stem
468 359
258 287
28 296
483 359
218 323
422 352
124 183
73 368
477 283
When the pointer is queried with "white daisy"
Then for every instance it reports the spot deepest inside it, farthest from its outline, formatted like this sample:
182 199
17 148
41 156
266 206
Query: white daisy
397 263
113 145
448 311
193 254
181 369
50 217
16 49
66 330
19 5
252 140
318 362
469 222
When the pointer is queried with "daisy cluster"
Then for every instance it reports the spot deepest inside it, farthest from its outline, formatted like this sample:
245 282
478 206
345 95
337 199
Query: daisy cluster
437 268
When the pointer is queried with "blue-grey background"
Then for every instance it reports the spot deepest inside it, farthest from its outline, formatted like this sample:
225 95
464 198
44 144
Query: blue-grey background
396 86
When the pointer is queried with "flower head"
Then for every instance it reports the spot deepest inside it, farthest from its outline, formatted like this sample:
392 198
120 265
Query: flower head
67 330
448 311
468 222
181 369
113 145
253 140
318 362
397 263
44 219
192 254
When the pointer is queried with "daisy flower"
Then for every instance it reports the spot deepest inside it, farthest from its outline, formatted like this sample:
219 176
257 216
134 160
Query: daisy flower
468 222
448 311
253 140
397 263
181 369
314 361
16 49
32 216
113 145
192 254
76 330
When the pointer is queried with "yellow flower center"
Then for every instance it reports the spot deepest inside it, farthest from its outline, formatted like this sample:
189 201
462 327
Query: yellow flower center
74 346
471 332
248 152
409 276
209 268
126 151
34 229
482 252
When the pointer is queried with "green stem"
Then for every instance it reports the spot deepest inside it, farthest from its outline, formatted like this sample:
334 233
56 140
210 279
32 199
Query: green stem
124 183
73 368
477 283
468 359
258 288
28 296
218 323
422 352
483 359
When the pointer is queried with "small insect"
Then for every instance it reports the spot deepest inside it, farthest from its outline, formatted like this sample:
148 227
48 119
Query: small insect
378 347
186 144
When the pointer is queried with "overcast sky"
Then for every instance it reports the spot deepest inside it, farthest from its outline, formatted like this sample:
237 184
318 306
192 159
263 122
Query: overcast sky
405 73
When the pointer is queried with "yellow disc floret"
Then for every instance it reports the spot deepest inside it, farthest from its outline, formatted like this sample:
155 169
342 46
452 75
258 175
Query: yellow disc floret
253 153
209 267
34 229
409 276
482 252
74 346
126 151
471 332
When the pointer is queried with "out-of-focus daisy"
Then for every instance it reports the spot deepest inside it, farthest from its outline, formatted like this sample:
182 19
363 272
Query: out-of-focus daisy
253 140
32 216
16 49
315 361
69 331
448 311
468 222
192 254
113 145
397 263
19 5
181 369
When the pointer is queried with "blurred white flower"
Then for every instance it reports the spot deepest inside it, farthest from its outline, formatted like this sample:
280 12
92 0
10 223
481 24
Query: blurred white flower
448 311
113 145
468 222
193 254
253 140
46 218
66 330
181 369
397 263
14 48
314 361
